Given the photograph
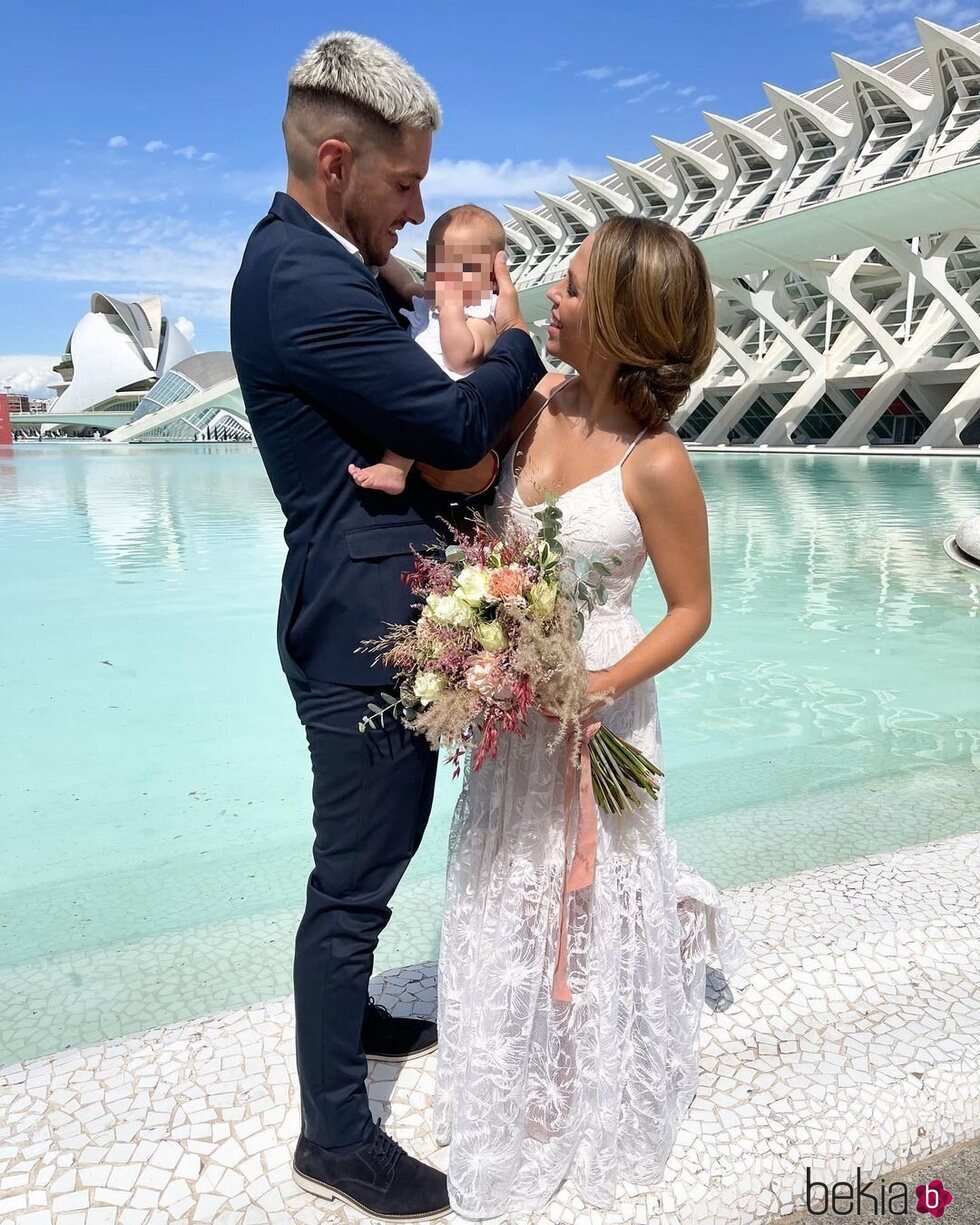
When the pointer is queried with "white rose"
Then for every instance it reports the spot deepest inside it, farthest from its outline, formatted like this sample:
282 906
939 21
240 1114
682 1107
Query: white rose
491 635
449 609
471 583
427 686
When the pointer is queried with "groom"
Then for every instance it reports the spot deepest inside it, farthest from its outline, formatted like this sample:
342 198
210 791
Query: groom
329 379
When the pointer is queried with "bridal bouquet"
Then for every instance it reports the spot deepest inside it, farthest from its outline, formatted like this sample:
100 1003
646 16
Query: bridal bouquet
497 634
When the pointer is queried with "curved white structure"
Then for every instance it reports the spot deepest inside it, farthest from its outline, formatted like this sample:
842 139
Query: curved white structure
197 400
842 232
115 354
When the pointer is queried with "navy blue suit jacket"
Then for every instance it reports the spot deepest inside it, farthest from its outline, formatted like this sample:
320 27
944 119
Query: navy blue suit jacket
329 378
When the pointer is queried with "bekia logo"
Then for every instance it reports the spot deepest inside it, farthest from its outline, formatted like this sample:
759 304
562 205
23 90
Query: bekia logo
866 1199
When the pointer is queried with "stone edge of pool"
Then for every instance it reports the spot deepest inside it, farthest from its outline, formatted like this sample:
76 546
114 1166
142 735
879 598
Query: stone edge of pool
850 1041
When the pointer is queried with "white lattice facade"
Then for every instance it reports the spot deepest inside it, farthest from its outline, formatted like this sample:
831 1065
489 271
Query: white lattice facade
842 231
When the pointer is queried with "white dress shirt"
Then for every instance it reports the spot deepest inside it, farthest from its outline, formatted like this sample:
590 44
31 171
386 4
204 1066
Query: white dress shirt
348 245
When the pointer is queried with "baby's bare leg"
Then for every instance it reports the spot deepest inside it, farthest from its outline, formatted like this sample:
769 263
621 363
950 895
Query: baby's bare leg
387 477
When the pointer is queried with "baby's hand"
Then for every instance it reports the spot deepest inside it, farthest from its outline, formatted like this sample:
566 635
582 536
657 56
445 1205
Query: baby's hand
448 293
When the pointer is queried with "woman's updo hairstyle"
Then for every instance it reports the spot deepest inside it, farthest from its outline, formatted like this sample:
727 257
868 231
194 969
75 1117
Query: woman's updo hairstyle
649 306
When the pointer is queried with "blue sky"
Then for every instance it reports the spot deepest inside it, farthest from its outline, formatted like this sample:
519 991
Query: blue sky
142 141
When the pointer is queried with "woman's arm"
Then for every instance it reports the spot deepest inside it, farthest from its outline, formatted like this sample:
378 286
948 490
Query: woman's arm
664 491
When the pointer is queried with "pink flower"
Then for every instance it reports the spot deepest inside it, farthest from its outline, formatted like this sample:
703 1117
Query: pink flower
482 676
506 584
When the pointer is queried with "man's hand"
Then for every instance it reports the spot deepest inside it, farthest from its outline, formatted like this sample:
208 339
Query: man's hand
507 314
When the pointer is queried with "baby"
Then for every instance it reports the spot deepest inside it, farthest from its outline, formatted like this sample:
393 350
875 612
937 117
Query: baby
452 319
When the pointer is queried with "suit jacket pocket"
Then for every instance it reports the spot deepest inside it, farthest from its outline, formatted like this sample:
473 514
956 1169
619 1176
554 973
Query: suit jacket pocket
382 556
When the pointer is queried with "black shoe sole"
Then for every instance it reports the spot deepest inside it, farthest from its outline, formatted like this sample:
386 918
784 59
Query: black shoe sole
424 1050
323 1191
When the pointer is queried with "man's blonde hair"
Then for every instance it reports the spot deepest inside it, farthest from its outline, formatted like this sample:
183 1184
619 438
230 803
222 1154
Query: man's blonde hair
355 77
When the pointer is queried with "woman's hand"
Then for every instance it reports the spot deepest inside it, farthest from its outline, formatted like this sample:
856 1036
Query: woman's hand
601 691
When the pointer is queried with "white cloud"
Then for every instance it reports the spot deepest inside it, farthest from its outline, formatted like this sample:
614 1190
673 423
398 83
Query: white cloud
183 324
631 82
878 28
507 180
154 146
118 142
701 99
28 373
209 157
558 66
659 88
598 74
188 151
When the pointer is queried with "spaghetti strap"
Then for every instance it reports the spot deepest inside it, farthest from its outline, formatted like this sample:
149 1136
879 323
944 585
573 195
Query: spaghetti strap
548 399
629 449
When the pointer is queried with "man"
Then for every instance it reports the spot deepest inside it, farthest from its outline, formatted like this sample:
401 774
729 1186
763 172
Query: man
330 379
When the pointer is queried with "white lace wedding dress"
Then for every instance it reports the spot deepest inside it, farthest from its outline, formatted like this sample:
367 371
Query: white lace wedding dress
529 1090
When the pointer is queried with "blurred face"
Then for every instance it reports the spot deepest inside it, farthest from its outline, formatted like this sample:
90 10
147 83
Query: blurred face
566 330
383 193
461 267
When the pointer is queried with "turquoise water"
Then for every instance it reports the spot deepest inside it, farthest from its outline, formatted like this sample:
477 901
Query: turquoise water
154 783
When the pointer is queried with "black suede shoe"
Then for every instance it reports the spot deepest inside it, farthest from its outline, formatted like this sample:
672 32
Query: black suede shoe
392 1039
377 1178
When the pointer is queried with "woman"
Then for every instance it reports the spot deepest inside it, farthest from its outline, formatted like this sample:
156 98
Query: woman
535 1084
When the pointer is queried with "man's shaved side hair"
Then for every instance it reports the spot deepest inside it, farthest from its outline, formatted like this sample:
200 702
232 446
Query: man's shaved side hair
349 87
468 216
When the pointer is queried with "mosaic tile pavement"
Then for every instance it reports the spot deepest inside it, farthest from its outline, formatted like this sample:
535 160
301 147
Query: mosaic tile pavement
849 1038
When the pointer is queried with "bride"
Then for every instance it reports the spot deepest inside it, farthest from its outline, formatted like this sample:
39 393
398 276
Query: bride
585 1071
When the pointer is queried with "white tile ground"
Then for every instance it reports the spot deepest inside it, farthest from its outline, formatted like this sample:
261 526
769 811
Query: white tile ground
851 1041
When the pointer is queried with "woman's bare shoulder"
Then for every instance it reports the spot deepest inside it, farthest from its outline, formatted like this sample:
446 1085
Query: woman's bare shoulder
660 468
544 389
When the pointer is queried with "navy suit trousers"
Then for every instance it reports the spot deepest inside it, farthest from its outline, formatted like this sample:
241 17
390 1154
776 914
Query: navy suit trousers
372 793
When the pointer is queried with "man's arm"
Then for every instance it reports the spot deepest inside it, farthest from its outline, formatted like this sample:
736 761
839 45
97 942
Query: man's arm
341 348
481 477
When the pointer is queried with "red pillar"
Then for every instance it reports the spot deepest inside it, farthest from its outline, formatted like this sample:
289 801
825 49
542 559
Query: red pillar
6 433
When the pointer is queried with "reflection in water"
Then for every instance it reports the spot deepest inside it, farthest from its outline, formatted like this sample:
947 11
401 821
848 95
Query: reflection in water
155 791
8 473
843 642
141 510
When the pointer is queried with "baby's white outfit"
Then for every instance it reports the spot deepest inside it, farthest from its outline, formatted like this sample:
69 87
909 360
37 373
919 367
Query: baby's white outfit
424 326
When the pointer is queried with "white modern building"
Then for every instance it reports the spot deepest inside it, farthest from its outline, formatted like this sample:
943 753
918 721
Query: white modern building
115 355
841 228
197 400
